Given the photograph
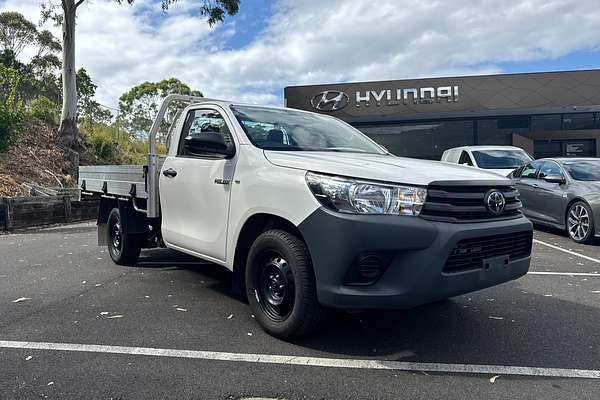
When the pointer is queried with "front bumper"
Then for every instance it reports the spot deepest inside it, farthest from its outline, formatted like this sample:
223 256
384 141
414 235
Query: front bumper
419 249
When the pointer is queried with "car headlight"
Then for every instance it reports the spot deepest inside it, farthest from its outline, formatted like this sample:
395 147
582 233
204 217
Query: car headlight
357 196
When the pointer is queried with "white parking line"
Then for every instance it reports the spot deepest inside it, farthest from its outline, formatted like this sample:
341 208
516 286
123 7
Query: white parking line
563 273
309 361
566 251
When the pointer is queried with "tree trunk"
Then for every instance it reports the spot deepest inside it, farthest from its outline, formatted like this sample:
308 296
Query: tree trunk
68 124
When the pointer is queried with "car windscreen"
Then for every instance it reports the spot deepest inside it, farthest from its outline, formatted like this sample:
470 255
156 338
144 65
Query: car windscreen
289 130
585 170
501 159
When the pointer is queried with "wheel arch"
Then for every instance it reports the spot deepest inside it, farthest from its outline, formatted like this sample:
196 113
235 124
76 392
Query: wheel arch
252 228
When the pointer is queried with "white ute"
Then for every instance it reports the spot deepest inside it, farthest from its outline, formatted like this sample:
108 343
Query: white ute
499 159
310 214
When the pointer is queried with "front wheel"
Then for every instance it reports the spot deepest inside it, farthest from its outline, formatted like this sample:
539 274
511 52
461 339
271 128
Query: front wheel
280 285
124 249
580 222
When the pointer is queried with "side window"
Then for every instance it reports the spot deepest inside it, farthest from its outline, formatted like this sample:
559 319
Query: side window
465 159
530 171
203 124
549 168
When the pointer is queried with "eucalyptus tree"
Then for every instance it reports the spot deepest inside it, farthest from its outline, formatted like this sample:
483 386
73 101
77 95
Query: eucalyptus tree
16 32
139 105
64 14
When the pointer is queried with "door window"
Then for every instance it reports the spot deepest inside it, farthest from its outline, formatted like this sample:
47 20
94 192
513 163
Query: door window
465 159
529 171
203 122
549 168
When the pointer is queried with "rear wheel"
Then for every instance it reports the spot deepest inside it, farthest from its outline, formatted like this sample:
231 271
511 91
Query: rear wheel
124 249
580 222
280 285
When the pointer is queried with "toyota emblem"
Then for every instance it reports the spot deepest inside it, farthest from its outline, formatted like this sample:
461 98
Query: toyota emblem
495 202
330 100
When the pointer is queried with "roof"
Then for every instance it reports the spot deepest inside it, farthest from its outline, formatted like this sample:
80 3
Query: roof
567 159
480 147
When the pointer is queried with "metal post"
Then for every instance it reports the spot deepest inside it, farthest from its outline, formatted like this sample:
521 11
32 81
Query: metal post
8 213
67 204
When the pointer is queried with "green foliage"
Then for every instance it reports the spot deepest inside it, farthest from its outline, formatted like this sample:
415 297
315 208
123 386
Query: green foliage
47 43
16 32
11 107
215 10
113 145
38 78
44 109
139 106
102 142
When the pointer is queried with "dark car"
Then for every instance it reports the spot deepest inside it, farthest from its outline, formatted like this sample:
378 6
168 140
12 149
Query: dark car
562 193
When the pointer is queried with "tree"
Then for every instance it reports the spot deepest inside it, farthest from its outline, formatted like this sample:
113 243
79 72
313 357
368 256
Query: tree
36 78
65 13
91 109
47 44
16 32
139 105
86 89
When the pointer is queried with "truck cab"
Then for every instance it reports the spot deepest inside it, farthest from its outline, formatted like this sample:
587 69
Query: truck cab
502 160
310 214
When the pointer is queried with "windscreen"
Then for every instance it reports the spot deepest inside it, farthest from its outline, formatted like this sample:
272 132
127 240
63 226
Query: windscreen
501 159
289 130
585 170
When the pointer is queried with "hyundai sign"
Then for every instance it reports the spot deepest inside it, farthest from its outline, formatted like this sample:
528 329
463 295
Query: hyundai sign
333 100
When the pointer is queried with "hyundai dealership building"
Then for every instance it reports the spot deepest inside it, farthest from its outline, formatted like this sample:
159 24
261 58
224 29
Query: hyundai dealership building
547 114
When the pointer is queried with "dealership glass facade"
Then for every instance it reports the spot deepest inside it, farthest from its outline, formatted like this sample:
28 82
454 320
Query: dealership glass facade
428 139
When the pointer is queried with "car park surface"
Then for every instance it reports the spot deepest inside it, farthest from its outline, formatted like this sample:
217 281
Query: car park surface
75 296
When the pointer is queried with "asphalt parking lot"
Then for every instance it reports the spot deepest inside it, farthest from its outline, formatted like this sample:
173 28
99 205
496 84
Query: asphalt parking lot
170 328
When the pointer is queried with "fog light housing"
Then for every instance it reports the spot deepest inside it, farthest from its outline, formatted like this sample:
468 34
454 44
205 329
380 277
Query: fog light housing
367 268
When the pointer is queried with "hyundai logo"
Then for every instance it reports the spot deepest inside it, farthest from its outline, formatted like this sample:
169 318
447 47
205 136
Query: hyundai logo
330 100
495 202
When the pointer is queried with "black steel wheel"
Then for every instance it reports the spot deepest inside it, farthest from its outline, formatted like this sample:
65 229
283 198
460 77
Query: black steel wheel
275 286
124 249
280 285
580 222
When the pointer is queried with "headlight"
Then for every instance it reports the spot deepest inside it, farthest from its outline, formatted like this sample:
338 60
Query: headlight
363 197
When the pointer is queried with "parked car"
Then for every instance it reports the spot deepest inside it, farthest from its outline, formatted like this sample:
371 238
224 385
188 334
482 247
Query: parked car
563 193
309 214
499 159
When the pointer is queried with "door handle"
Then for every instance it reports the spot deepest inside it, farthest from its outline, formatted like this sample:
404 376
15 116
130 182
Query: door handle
170 173
535 185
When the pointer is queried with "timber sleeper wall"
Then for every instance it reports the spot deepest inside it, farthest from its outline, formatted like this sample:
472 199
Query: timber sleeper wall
25 212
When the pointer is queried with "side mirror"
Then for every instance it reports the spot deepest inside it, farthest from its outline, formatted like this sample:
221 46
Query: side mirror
207 143
555 179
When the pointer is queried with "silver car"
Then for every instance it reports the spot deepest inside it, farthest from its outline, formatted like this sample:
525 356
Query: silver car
562 193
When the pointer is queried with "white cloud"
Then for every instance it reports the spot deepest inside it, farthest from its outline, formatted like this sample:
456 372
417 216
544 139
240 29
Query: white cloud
316 41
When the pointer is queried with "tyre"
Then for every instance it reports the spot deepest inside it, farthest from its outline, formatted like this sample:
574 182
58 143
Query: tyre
580 222
124 249
280 285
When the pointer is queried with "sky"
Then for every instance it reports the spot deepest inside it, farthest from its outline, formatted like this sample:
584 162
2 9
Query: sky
268 45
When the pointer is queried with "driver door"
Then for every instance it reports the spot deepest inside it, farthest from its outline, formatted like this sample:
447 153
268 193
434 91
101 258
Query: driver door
195 189
527 182
551 195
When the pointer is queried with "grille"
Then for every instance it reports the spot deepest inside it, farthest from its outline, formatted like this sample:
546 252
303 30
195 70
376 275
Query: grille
470 253
465 202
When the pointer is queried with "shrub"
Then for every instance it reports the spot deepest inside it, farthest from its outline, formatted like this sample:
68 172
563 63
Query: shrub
11 107
102 143
44 109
